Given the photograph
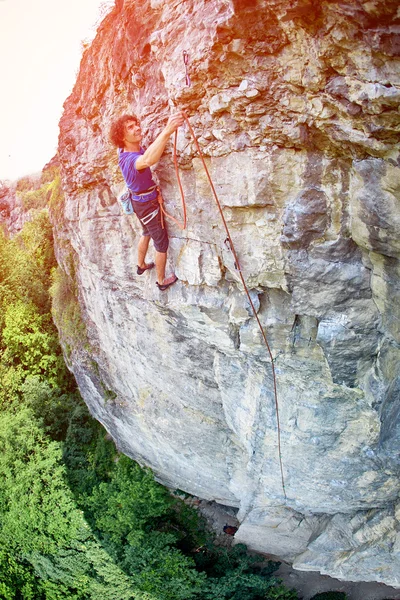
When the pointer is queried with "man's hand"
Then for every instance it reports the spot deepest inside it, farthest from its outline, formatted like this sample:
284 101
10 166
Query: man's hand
155 150
174 121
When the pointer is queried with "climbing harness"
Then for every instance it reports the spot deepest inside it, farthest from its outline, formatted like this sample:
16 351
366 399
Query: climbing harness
230 245
142 196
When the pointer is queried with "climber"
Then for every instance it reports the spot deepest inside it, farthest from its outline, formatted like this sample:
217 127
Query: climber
135 163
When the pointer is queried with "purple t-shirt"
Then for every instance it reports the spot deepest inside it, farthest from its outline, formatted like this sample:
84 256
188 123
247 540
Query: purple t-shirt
137 181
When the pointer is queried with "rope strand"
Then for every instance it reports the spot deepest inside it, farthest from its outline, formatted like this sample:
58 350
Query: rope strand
160 198
232 248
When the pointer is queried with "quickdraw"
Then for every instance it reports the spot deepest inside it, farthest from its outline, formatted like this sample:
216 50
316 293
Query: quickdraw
186 62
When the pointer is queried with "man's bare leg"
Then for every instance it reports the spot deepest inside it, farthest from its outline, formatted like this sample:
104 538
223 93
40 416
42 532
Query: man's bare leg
142 250
161 261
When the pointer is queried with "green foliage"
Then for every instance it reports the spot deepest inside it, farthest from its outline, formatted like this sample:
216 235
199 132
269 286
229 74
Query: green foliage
109 395
44 539
26 263
4 266
123 506
235 575
130 513
82 571
11 381
51 405
87 454
157 567
30 341
56 201
36 199
16 577
31 467
65 307
35 193
189 527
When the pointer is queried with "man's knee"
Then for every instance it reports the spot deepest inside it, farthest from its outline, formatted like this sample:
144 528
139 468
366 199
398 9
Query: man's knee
161 244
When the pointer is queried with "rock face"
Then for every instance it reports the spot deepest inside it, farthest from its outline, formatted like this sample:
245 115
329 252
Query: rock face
296 107
14 211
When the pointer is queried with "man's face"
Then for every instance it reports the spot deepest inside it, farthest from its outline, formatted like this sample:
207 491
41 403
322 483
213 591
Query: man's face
133 132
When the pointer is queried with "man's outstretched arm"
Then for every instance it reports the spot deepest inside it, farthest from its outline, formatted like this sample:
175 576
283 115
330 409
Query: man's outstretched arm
153 153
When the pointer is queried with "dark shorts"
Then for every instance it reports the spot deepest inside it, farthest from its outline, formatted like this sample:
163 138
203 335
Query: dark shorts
152 228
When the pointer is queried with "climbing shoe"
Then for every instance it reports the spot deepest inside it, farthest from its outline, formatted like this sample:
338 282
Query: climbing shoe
167 282
140 271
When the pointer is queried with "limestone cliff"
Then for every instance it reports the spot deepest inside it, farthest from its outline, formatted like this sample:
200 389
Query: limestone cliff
296 106
18 201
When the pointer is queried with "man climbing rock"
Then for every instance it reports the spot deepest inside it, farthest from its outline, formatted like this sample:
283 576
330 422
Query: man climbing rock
135 163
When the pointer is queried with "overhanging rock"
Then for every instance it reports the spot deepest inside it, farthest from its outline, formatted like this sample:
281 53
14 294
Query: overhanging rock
295 105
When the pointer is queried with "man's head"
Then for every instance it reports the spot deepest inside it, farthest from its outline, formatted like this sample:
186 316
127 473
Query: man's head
118 129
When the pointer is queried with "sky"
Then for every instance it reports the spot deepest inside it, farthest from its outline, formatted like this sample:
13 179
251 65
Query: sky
40 51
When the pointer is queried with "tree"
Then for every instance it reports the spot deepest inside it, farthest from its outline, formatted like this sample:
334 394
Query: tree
47 549
131 513
233 574
38 511
30 340
26 262
123 507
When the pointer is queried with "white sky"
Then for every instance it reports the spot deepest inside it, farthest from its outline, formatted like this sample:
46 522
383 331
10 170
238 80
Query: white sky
40 51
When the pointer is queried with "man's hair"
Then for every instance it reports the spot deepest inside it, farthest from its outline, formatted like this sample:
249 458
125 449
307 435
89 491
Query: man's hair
117 129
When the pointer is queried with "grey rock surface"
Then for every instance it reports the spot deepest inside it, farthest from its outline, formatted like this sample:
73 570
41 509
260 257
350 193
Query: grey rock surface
295 104
13 210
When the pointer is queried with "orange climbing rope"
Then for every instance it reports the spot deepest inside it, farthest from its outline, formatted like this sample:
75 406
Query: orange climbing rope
232 248
181 225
